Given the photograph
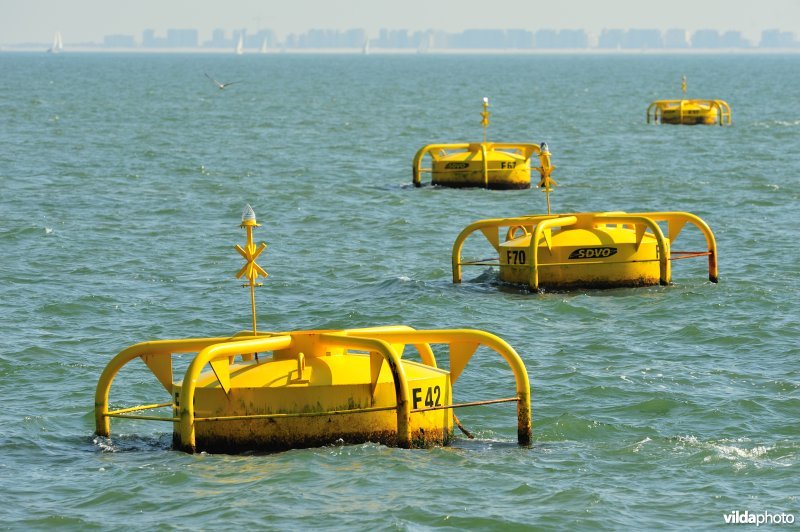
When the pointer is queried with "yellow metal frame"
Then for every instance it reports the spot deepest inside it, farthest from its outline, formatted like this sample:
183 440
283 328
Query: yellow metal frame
438 151
658 107
541 227
385 342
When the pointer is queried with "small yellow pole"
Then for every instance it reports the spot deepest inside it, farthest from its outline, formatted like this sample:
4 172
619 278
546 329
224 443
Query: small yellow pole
485 116
683 85
251 270
546 183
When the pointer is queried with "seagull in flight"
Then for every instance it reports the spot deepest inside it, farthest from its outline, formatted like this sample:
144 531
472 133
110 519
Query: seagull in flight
219 85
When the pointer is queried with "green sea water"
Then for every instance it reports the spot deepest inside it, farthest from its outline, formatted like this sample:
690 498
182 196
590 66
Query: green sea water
122 180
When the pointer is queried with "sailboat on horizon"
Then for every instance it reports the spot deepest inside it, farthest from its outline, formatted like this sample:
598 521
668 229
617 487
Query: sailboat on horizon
239 50
58 44
263 48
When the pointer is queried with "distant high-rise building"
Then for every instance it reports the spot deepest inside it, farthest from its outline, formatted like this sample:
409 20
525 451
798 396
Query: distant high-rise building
392 39
181 38
149 39
676 38
218 40
546 39
573 39
174 39
642 39
353 38
263 38
519 39
734 39
320 39
706 39
292 41
777 39
611 39
479 39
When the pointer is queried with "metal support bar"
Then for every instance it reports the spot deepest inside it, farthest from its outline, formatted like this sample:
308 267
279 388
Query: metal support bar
462 405
145 418
137 408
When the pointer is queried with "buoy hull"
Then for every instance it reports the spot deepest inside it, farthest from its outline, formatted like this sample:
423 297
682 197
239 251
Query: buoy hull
597 257
503 170
329 387
690 116
690 112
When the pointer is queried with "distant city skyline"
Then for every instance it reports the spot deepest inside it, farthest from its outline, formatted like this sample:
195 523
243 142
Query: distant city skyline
83 21
675 39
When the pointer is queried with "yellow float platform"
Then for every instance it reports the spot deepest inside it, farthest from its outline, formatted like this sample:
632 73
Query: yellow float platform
282 390
690 112
492 165
585 250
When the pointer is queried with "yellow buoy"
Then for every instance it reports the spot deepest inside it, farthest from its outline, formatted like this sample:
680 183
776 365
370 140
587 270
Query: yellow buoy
492 165
585 250
690 112
281 390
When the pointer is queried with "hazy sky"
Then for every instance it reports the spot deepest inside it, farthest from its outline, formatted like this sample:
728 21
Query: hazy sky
89 20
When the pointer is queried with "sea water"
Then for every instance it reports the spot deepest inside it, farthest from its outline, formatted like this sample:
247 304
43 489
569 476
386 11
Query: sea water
122 180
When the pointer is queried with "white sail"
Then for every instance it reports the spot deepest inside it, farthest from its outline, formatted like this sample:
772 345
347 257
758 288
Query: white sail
263 48
57 45
365 50
240 46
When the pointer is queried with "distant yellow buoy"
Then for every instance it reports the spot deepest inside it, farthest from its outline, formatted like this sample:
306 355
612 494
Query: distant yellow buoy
309 388
492 165
689 111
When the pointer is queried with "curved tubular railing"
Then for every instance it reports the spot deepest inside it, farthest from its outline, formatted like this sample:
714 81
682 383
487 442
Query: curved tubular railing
655 112
533 251
663 257
424 350
415 165
675 222
160 348
206 355
526 150
398 375
478 338
724 111
524 221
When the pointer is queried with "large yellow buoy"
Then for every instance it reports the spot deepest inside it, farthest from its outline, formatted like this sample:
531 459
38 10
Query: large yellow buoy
492 165
279 390
690 112
585 250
